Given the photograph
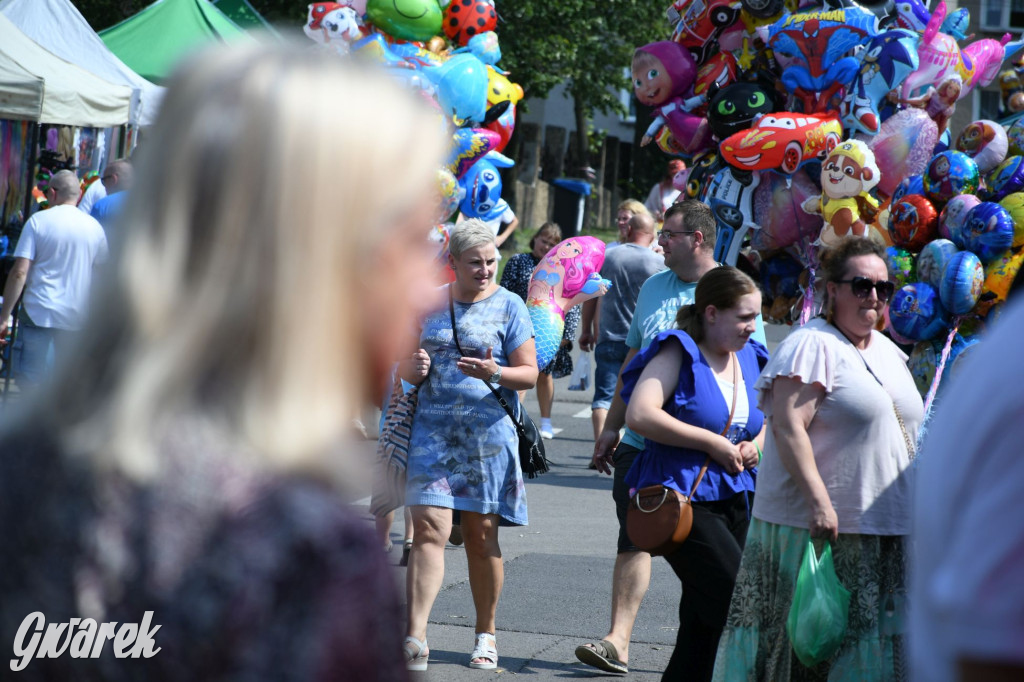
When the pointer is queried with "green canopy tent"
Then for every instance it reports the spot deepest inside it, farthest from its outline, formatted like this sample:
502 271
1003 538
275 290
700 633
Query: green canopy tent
243 14
153 41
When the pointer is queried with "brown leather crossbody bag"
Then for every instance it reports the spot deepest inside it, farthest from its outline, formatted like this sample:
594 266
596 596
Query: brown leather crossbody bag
659 518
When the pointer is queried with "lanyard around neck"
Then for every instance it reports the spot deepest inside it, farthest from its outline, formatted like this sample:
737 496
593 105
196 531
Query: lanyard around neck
911 449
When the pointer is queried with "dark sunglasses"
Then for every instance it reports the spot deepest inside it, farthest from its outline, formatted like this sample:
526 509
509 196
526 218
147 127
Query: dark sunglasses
862 286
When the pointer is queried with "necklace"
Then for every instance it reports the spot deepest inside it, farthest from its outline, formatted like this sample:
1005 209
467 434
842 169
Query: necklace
911 444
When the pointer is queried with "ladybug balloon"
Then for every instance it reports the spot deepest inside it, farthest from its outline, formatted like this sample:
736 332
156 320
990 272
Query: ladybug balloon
466 18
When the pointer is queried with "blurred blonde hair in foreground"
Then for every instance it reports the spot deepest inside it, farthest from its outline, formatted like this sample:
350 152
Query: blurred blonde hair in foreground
277 196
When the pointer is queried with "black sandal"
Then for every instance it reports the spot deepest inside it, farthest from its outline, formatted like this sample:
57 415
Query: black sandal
602 655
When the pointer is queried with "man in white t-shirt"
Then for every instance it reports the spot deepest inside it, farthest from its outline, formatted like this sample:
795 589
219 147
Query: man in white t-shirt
53 267
92 194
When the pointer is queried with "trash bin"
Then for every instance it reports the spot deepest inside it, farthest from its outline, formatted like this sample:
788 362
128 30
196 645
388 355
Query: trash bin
570 202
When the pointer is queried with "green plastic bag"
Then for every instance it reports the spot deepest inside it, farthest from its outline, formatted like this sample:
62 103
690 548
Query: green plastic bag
817 619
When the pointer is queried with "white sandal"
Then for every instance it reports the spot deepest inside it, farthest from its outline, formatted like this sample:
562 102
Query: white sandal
415 660
486 649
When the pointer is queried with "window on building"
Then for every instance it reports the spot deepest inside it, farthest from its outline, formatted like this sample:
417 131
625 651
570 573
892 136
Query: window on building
628 101
988 105
1002 15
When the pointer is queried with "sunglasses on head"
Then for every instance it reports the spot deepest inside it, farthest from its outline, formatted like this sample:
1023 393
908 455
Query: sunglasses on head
862 286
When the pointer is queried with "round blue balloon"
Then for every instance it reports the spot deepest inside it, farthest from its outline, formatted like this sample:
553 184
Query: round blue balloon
933 259
1006 178
912 185
916 313
987 230
962 283
950 173
963 347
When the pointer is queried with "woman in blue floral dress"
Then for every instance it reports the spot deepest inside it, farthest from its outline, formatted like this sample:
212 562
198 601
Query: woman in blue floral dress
464 448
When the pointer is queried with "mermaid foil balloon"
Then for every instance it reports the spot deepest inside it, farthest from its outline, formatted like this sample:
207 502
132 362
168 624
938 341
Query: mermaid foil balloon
568 275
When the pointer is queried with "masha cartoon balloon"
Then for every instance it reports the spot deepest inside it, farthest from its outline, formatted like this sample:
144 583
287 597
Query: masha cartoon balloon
568 275
847 176
663 76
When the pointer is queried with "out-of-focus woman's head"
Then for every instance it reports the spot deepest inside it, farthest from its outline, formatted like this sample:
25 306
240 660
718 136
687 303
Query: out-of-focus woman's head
271 256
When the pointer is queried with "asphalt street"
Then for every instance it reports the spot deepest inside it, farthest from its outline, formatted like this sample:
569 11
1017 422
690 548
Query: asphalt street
558 570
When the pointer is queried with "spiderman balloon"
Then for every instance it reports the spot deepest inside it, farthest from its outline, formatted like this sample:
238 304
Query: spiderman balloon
818 46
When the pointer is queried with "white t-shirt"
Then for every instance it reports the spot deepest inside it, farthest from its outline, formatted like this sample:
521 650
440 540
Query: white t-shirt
742 414
858 444
64 246
496 224
967 563
93 193
660 200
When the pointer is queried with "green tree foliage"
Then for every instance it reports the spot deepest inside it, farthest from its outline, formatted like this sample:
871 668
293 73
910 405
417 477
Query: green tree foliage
585 45
103 14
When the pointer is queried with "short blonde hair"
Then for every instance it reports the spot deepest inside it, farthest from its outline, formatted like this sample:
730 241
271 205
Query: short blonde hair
633 206
469 234
263 195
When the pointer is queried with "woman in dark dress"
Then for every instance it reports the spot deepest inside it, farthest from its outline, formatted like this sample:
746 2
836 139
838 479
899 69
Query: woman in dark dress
516 278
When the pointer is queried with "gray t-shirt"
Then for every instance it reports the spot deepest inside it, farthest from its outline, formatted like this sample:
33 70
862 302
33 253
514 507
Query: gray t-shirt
627 266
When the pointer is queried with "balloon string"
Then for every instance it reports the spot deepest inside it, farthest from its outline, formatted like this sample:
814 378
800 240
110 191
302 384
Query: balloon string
940 367
808 307
810 257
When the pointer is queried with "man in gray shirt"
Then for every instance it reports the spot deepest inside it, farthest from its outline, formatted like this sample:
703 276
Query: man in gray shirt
627 266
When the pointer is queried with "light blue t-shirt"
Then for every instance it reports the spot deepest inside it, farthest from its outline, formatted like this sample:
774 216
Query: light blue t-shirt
660 299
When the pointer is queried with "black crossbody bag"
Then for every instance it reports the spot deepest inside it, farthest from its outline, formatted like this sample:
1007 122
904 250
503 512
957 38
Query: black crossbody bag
532 459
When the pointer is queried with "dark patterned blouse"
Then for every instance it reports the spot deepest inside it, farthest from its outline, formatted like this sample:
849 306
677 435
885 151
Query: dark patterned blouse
250 576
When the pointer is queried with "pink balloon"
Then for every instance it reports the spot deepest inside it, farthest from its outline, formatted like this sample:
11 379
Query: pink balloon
903 147
777 210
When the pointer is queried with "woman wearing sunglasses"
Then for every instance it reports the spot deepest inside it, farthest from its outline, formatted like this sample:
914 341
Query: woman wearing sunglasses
843 414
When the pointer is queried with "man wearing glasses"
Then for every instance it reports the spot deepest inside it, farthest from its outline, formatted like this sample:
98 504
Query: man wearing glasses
688 239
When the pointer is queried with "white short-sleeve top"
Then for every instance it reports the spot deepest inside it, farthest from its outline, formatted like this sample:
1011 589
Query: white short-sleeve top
859 447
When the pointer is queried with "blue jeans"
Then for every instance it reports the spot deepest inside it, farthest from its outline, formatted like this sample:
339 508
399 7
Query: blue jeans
608 359
40 348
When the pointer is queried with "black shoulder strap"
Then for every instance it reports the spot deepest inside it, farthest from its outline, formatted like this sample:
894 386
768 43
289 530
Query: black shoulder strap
501 400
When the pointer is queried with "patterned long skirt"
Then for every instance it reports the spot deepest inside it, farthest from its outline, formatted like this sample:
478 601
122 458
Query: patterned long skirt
755 646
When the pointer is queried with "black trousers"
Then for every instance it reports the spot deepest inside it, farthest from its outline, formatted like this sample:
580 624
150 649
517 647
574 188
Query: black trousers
706 565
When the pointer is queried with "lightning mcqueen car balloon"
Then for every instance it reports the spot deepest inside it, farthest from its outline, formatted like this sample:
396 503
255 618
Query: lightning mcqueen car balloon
783 141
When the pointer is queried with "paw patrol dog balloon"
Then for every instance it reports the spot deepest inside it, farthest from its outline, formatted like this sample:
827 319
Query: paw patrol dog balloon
848 175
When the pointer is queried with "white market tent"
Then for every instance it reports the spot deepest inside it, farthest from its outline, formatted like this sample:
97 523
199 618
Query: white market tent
21 93
70 95
58 26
